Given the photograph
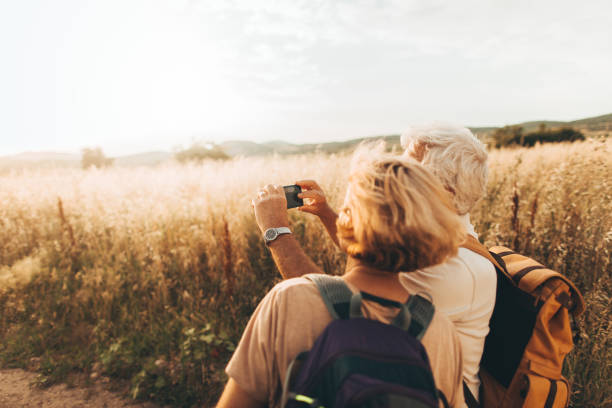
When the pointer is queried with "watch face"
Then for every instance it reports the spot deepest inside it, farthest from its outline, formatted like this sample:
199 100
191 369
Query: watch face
271 234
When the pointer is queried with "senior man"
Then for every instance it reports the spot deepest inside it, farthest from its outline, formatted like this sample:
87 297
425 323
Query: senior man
464 287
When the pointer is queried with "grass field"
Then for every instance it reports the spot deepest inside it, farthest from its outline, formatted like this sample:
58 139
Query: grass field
148 275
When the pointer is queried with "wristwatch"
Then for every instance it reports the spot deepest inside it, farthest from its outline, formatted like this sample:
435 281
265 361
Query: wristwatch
272 233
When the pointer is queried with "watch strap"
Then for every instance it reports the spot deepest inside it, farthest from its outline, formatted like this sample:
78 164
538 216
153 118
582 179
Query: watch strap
283 230
279 231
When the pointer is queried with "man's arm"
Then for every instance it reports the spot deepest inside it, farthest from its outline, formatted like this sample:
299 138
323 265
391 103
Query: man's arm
270 207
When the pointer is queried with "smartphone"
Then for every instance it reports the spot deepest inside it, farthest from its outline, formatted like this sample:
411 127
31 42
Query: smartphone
291 193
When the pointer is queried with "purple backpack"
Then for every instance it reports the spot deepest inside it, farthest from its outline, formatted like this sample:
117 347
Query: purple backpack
359 362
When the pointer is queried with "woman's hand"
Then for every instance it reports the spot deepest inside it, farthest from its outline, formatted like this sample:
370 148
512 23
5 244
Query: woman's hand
316 203
314 198
270 207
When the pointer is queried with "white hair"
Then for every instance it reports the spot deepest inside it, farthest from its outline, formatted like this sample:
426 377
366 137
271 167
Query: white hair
455 156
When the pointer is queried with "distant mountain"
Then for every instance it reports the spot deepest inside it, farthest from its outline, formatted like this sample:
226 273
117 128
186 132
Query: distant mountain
601 123
49 160
246 148
43 156
144 159
595 125
41 160
482 130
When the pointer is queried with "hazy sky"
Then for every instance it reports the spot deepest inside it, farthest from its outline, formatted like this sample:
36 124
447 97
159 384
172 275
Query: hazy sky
138 75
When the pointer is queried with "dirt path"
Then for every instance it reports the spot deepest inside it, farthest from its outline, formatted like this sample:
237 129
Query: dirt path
16 392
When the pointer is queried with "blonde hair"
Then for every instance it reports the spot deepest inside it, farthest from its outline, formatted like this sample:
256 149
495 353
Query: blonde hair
454 155
396 216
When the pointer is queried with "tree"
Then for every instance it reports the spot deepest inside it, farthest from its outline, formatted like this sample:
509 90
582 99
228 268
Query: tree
199 152
564 134
506 135
94 157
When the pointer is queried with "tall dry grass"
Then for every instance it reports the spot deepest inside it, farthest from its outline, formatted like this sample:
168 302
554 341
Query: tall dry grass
149 275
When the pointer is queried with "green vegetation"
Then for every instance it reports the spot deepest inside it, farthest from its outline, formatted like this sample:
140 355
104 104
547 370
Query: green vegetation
94 158
198 152
597 123
549 136
513 135
149 275
505 135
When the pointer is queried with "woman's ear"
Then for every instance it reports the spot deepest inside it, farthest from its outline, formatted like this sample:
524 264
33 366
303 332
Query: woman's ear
345 220
344 227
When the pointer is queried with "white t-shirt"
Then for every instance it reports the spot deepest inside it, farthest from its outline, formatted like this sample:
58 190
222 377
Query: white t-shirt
463 288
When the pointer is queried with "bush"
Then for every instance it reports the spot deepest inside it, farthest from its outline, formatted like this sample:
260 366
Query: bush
504 136
565 134
513 135
94 158
199 152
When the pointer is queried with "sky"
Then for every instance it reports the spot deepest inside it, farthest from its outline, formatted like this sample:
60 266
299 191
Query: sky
140 75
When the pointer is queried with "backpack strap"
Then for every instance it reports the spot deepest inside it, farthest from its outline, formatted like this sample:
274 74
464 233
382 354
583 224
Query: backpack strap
470 400
521 278
341 302
421 312
474 245
414 316
520 267
443 399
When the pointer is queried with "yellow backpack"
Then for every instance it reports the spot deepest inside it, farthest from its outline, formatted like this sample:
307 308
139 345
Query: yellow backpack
530 333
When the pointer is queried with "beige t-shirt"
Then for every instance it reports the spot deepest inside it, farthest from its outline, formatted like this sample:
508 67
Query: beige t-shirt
291 317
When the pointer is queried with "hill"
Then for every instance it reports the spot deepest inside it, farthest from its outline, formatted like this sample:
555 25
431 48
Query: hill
43 156
594 126
51 160
597 123
39 160
246 148
143 159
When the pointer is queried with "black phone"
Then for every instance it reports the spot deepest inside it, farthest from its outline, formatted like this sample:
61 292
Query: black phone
291 193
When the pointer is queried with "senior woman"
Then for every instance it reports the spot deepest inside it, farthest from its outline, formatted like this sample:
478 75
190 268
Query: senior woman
396 217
